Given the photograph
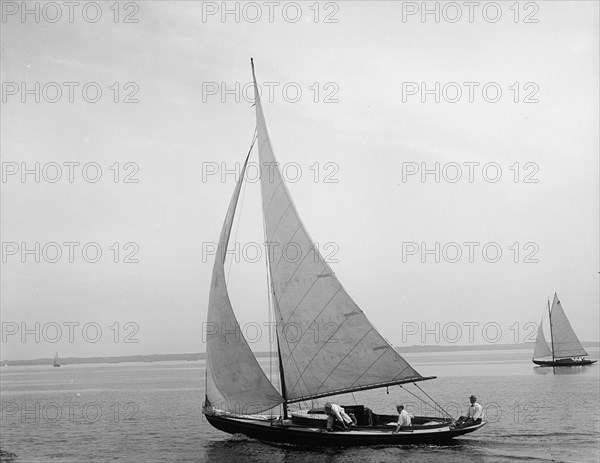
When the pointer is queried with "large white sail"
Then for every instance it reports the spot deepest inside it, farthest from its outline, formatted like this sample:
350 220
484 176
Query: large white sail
564 339
234 380
541 348
327 344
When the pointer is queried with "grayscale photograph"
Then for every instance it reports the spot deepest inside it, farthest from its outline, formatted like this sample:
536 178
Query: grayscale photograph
300 231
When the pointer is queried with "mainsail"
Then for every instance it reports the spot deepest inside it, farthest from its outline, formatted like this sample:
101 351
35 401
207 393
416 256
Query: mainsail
541 348
326 343
564 339
235 381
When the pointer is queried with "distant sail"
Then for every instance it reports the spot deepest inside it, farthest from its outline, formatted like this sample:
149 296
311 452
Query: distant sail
565 341
235 380
541 349
326 342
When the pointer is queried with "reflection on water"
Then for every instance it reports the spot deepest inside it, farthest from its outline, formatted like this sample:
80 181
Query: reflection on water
238 449
573 370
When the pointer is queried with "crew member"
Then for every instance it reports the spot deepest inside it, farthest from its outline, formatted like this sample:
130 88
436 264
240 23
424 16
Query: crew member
474 414
335 412
404 418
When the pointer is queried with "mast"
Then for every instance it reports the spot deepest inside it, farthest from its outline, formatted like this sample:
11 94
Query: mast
551 336
270 281
282 379
279 360
271 299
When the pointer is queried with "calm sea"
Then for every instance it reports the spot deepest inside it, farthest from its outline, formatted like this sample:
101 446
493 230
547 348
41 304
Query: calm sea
151 412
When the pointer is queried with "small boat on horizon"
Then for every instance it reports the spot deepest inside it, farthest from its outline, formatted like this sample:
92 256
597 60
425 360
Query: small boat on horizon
564 348
56 364
305 295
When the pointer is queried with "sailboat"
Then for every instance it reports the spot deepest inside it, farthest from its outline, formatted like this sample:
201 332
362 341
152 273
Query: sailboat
304 293
56 364
565 349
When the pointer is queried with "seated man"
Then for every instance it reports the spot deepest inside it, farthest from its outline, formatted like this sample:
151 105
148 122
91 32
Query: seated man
474 414
335 412
404 419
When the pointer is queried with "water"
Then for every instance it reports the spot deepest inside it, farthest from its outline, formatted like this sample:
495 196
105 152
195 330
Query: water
151 412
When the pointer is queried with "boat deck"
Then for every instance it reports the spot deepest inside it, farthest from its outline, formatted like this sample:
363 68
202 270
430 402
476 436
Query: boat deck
367 420
306 428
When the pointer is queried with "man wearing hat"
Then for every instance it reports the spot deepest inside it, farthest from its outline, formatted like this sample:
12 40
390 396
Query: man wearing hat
335 412
474 414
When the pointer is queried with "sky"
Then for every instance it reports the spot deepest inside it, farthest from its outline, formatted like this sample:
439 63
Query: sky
446 163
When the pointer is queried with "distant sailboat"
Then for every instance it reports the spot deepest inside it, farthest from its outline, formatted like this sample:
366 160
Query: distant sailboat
349 354
56 364
564 348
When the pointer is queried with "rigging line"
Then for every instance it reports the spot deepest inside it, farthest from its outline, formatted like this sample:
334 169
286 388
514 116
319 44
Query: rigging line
272 301
241 205
239 219
291 350
270 315
441 408
290 356
415 395
270 309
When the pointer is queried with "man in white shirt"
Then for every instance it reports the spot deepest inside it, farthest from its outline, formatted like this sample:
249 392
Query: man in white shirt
474 414
335 412
404 418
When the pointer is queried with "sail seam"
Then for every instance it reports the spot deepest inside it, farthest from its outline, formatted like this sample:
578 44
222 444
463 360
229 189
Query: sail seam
281 256
371 366
332 334
294 311
292 350
303 297
272 196
322 346
279 221
403 370
290 357
344 358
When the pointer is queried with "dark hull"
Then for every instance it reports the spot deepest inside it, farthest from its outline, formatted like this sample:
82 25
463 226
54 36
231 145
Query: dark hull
563 362
288 433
